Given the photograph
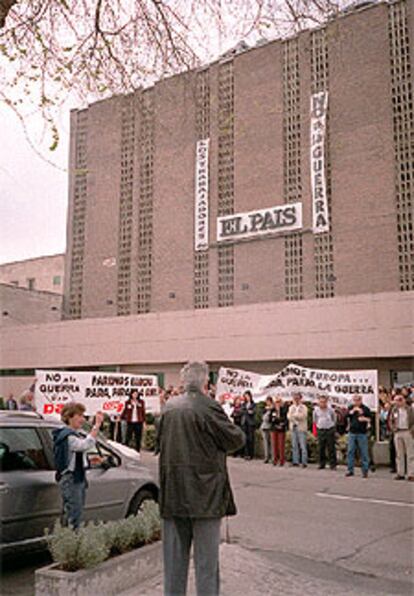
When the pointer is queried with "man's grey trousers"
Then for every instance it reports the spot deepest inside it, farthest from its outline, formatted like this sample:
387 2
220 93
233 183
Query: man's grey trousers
177 536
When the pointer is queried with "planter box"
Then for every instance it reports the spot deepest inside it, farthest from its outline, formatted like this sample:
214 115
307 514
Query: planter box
111 577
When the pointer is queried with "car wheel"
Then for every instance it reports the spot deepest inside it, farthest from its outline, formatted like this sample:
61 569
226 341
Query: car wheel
138 500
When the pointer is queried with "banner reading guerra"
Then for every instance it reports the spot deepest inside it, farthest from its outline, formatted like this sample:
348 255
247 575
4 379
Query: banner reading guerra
96 390
320 215
339 385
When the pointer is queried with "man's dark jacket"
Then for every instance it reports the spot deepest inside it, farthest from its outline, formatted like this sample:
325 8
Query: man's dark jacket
195 435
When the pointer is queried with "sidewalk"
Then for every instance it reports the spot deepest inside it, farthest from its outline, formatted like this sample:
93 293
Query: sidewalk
247 573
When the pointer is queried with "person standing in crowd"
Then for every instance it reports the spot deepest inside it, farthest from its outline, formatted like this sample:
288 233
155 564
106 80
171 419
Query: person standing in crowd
224 401
236 415
298 425
391 441
11 403
359 421
402 424
115 430
134 414
249 423
324 419
27 401
279 425
265 428
69 450
195 492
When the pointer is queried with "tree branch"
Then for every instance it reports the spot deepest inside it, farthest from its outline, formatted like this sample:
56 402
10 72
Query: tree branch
5 6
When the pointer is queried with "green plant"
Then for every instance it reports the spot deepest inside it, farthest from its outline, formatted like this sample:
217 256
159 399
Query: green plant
92 546
63 545
149 418
94 543
149 438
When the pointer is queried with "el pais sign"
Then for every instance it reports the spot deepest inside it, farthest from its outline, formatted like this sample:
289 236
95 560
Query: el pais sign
260 222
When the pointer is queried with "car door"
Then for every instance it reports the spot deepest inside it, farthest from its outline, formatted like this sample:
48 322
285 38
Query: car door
107 490
29 500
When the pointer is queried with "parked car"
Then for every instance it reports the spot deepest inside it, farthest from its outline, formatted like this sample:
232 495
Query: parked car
29 494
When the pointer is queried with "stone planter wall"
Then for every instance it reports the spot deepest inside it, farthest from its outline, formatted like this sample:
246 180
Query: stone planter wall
107 579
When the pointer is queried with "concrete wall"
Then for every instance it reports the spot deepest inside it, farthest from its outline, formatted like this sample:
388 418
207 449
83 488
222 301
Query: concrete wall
365 326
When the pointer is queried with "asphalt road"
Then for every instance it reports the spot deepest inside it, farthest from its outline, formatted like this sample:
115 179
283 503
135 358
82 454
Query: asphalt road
300 532
315 532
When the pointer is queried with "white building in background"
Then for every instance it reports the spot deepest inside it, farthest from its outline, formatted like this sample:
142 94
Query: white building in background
40 273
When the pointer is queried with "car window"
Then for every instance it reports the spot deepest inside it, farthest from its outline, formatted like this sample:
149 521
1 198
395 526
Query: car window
21 449
100 452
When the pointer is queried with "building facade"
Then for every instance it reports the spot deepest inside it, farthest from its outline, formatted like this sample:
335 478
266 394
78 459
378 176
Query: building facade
216 215
21 306
41 273
131 225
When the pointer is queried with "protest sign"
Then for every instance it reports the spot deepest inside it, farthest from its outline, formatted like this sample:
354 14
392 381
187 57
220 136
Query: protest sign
339 385
96 390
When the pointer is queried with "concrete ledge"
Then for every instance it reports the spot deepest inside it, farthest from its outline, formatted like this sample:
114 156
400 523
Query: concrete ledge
111 577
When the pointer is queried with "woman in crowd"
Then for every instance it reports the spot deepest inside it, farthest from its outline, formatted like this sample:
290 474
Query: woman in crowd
27 401
279 425
236 416
249 423
266 428
134 414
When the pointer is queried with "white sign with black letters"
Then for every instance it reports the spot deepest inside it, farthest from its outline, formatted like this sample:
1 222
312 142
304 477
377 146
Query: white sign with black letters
260 222
320 214
201 195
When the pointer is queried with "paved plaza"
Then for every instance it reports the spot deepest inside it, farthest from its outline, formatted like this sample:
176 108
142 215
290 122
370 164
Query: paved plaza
300 531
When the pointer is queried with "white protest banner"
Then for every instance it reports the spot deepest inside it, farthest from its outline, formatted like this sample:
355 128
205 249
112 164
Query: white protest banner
201 195
320 215
339 385
96 390
260 222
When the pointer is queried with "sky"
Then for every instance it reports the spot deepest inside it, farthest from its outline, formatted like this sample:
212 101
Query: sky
33 194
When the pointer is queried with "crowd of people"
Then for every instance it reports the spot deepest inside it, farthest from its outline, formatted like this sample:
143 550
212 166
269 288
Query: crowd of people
276 417
327 421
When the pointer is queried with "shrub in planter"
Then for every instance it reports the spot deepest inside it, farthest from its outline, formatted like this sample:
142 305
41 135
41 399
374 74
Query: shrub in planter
149 438
94 543
78 550
341 448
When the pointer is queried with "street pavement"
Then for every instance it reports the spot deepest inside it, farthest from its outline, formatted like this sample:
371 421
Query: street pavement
314 532
301 532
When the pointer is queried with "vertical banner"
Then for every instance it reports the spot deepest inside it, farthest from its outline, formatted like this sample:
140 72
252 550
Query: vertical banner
201 195
320 215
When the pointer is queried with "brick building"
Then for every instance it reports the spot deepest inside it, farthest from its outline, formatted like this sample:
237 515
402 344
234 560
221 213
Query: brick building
147 299
131 222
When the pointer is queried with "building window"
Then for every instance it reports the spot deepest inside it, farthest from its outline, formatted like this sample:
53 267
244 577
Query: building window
57 280
225 178
31 281
403 121
292 174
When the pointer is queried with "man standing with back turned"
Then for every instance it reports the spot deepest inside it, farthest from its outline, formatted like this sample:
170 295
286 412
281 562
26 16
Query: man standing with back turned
195 436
